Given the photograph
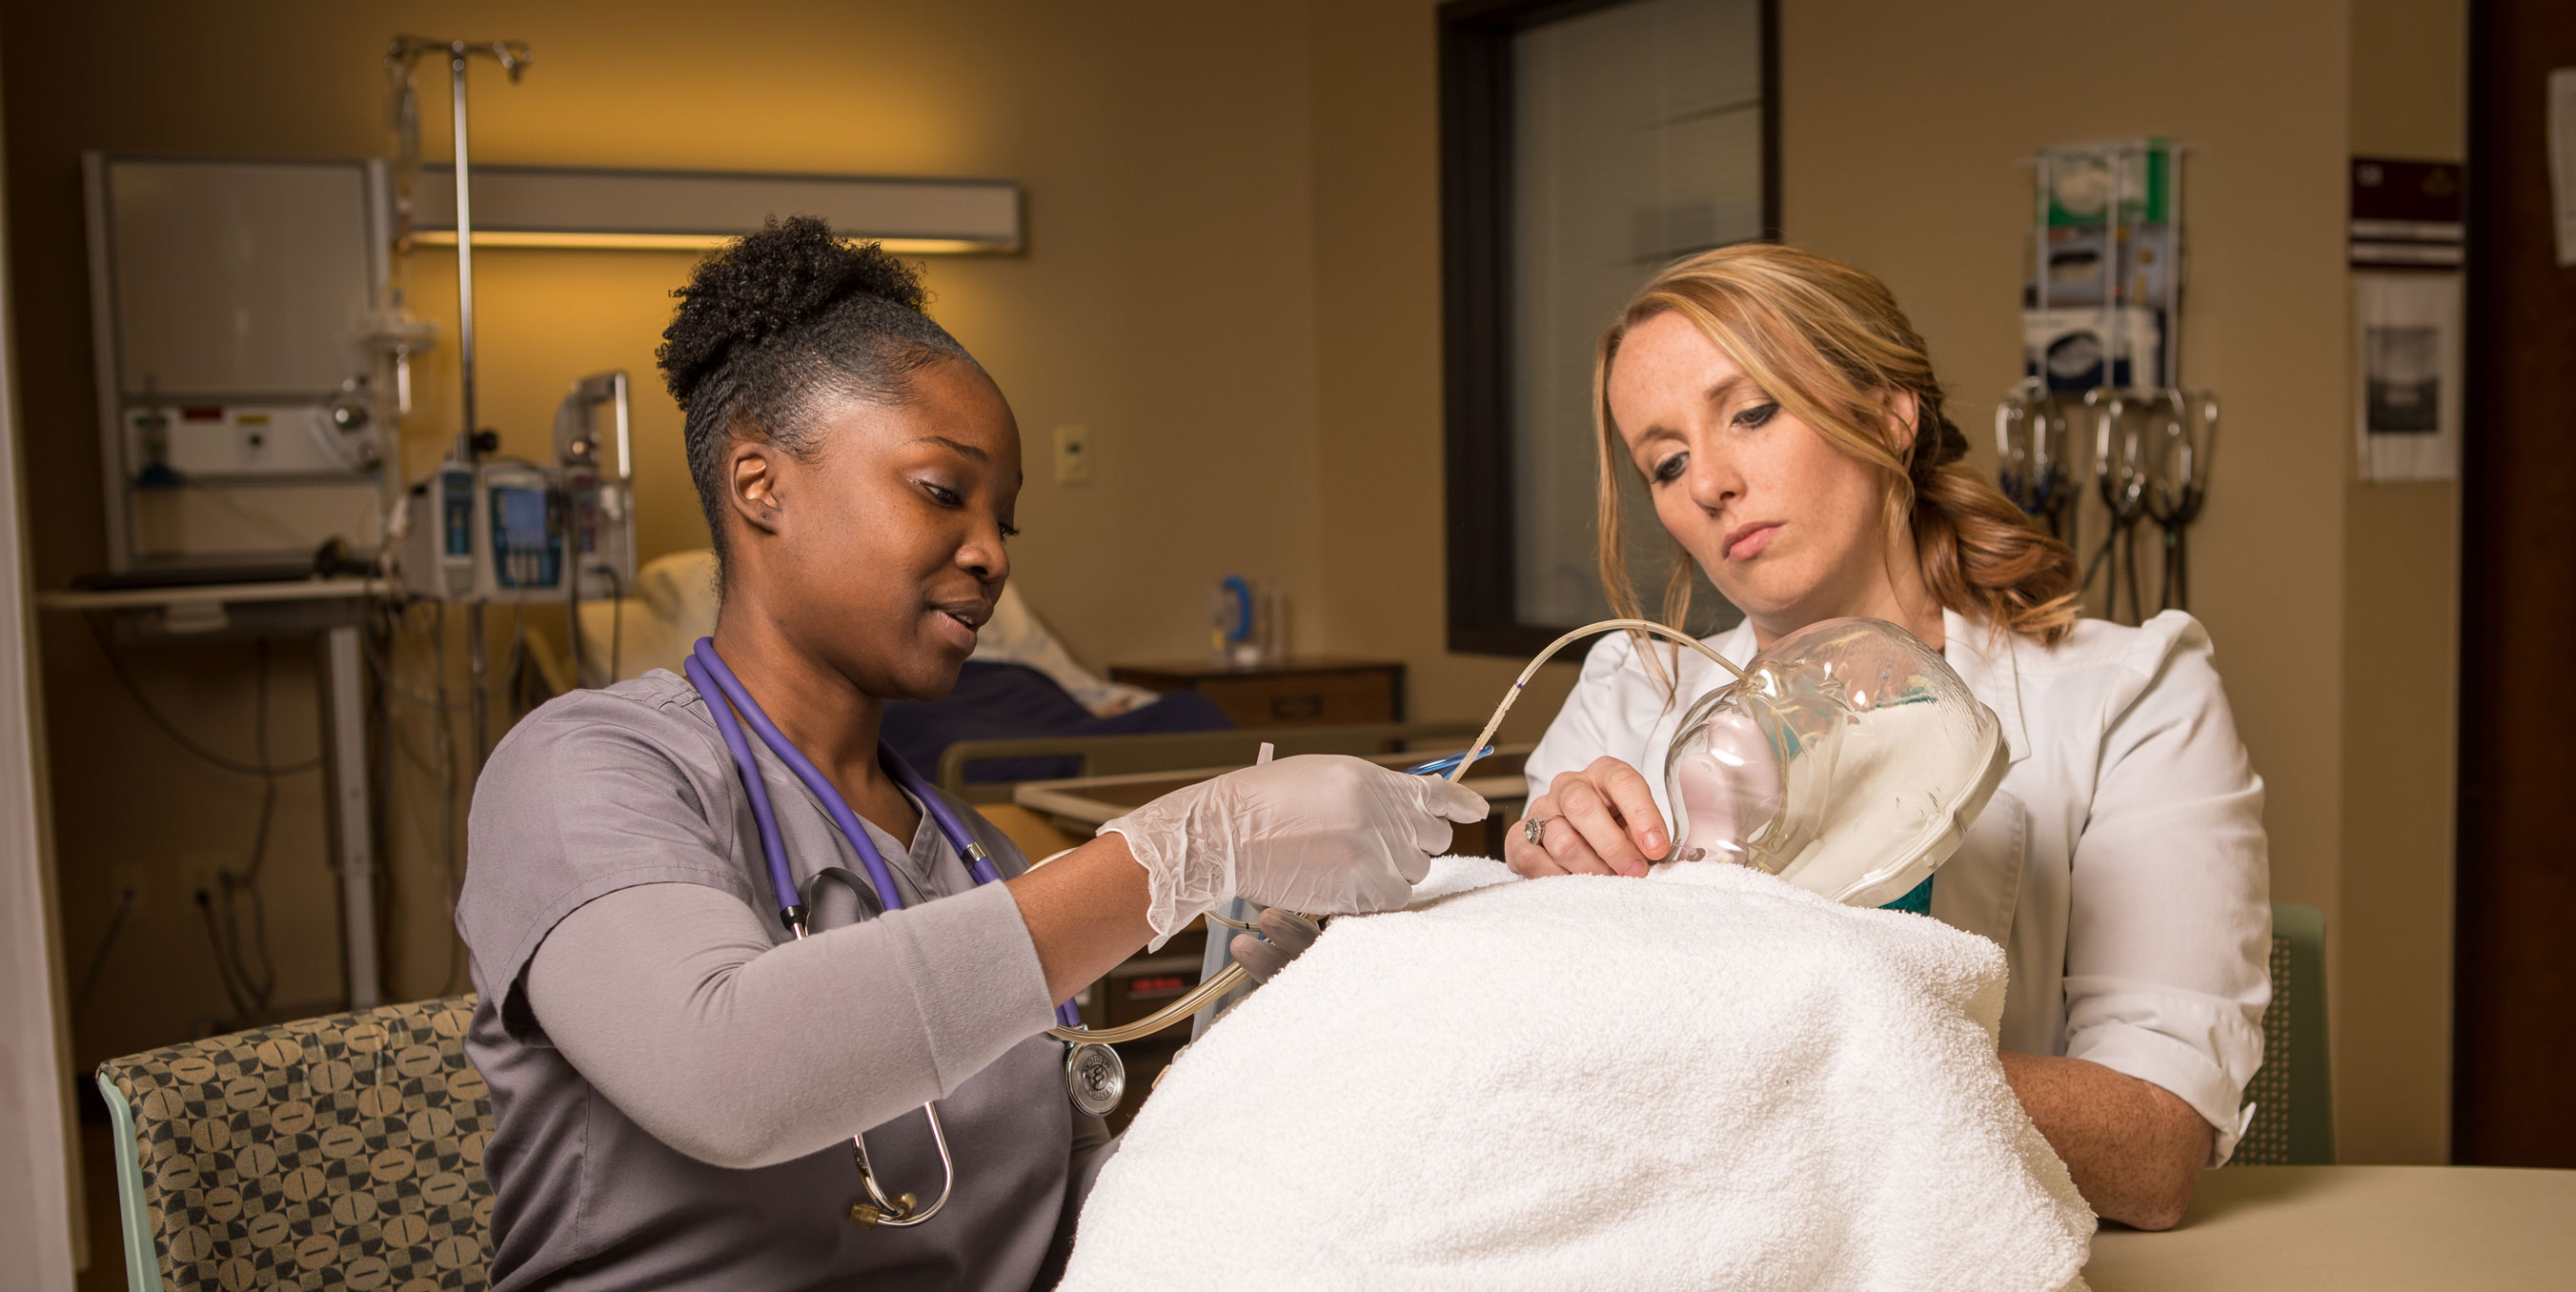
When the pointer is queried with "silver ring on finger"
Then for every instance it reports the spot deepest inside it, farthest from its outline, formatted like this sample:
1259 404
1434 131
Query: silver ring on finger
1534 829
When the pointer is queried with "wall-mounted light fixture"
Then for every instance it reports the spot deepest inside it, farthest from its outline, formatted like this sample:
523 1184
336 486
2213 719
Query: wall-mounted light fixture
550 206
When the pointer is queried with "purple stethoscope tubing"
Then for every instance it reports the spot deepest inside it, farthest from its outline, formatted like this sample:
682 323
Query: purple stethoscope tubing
724 696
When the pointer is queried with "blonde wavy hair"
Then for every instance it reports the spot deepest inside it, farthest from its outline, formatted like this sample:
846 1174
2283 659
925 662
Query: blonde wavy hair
1828 342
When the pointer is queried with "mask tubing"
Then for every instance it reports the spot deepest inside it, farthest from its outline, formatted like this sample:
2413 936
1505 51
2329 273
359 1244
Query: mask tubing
1476 748
1233 975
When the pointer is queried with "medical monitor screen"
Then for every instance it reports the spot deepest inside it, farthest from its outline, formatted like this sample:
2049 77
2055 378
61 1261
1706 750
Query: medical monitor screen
522 516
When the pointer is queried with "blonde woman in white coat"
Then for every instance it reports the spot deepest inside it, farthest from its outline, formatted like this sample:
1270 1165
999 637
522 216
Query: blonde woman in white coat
1788 426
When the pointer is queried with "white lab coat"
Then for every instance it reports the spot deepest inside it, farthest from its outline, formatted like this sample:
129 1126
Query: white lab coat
2122 865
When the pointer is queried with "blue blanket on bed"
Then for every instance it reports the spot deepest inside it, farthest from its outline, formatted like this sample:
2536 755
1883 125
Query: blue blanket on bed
1012 701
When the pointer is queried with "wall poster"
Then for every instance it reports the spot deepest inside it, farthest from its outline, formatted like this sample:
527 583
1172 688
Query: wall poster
2408 407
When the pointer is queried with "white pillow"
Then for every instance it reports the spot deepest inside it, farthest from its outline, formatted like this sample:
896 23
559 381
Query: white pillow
681 589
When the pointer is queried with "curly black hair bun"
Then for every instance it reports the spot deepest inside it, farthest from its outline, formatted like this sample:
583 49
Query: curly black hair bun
779 326
790 275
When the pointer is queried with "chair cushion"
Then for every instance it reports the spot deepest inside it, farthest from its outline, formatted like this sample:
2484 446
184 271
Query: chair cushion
2267 1138
337 1151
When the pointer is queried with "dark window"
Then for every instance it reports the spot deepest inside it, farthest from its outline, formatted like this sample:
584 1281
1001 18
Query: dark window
1583 146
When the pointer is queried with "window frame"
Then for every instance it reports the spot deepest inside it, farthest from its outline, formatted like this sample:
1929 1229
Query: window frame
1475 248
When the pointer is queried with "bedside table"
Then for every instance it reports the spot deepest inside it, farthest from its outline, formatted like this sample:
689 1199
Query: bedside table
1299 691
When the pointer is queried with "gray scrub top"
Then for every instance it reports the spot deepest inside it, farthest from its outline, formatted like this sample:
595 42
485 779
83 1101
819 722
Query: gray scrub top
601 790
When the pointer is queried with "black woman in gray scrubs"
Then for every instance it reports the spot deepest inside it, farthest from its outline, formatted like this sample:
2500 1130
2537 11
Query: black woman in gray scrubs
676 1075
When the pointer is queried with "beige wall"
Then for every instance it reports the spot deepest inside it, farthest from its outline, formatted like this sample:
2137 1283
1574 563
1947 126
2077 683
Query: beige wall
1905 165
2401 669
1165 300
1379 431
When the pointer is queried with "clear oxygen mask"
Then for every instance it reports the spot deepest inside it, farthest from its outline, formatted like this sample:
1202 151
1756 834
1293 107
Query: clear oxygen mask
1848 759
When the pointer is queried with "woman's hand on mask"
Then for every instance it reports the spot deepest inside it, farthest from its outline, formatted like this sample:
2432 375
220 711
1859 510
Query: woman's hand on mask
1598 821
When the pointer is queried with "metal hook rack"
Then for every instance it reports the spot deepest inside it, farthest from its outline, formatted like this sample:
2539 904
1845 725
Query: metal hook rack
2104 345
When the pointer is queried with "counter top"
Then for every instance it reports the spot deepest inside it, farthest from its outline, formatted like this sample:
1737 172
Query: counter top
209 594
2354 1228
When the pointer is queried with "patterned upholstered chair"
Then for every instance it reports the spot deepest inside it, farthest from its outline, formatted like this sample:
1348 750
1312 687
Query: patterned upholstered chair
2292 1094
336 1152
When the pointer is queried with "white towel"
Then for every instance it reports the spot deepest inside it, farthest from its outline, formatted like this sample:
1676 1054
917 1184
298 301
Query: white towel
1708 1079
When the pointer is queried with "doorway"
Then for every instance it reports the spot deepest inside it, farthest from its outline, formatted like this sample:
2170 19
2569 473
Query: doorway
2512 1050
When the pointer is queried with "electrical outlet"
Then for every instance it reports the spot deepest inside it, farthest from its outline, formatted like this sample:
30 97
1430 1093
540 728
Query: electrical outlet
1073 455
202 872
131 877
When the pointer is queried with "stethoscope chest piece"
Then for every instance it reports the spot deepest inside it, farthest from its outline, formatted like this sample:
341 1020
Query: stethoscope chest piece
1096 1079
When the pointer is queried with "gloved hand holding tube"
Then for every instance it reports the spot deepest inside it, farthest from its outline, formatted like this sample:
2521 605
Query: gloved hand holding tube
1323 834
1285 936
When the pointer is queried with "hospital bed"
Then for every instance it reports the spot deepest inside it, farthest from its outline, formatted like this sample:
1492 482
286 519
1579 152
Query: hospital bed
1025 710
1021 682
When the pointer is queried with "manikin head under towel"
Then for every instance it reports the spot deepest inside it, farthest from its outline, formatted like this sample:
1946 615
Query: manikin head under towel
1849 760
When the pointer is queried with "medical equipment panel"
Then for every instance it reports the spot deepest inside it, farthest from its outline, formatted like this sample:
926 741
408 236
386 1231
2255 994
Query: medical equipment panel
525 513
599 515
231 305
2102 339
170 444
506 530
481 532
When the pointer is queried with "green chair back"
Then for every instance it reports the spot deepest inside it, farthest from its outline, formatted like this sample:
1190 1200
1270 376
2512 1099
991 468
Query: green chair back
2293 1092
344 1151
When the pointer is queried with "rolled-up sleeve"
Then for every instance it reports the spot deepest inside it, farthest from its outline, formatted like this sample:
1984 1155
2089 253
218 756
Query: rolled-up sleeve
2170 926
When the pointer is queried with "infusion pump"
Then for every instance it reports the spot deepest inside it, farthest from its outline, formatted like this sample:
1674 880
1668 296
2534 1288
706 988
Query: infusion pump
507 531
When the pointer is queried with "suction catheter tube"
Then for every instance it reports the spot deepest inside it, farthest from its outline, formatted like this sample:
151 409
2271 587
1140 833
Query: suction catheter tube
1233 975
1476 749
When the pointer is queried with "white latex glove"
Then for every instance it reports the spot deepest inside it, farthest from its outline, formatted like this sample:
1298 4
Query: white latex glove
1284 937
1325 834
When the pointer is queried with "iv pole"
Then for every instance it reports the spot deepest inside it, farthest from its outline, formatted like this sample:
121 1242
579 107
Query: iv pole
513 56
